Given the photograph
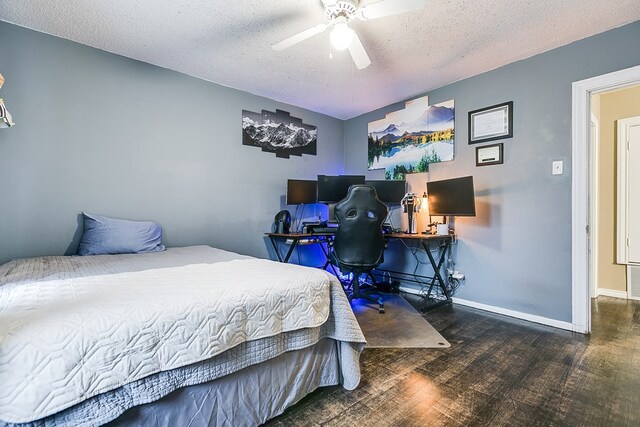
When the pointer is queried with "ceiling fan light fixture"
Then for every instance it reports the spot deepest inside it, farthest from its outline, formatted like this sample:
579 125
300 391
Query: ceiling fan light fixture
340 12
341 36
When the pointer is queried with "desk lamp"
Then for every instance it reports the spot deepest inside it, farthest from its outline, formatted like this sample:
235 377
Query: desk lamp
425 205
411 204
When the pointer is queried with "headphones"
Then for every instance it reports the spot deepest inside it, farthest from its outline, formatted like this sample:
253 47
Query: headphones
282 222
411 199
5 116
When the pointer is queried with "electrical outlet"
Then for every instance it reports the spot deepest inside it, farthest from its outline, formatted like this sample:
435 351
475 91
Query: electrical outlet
556 167
458 276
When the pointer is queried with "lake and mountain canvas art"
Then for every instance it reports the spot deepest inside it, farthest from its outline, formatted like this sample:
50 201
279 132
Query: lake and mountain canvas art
409 140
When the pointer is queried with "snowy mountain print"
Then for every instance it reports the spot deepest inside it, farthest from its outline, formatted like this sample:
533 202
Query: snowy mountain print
278 133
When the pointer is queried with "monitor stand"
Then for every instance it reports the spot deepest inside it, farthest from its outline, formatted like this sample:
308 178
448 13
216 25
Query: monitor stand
332 212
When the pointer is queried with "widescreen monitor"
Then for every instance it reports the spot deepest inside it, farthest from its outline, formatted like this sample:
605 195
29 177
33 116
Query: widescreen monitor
390 191
332 189
453 197
301 191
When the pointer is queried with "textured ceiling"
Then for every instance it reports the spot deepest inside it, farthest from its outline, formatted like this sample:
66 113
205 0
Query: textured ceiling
228 42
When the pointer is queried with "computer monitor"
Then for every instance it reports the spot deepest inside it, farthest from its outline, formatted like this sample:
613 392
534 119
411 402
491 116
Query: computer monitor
390 191
454 197
332 189
301 191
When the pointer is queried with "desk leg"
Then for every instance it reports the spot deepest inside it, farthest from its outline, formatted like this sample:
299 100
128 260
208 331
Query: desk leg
291 248
289 252
326 255
437 267
275 247
333 268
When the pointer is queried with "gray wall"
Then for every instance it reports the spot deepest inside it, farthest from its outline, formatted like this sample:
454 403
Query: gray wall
516 253
109 135
113 136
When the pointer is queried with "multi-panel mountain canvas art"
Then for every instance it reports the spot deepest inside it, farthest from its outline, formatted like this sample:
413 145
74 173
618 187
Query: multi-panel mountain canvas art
278 133
409 140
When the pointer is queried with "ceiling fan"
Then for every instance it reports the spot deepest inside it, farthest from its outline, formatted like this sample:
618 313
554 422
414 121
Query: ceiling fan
339 13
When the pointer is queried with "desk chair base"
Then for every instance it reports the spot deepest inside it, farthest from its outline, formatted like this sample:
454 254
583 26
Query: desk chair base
357 293
378 300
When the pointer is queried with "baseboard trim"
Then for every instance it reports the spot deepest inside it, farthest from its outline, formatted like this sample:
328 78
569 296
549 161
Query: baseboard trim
611 293
517 314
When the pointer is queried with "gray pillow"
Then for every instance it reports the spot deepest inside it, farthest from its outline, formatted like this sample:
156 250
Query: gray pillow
103 235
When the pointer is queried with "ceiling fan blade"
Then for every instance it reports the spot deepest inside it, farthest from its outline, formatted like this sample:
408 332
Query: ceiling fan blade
288 42
358 53
385 8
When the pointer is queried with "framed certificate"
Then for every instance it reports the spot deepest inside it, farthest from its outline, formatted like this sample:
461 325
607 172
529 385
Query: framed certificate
489 155
491 123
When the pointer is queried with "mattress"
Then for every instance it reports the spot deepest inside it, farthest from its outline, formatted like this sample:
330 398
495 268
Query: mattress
73 329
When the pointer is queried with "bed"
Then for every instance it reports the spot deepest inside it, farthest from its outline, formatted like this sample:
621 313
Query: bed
187 336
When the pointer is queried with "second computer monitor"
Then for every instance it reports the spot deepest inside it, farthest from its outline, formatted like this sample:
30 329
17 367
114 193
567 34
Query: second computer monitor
332 188
390 191
301 191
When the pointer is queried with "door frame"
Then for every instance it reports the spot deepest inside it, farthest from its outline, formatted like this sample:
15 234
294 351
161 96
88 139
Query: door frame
594 203
580 176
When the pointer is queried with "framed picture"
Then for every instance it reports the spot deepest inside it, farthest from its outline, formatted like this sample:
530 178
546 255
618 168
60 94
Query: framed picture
489 155
491 123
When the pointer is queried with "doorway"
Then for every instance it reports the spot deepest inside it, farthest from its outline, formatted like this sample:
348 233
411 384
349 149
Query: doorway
581 185
613 193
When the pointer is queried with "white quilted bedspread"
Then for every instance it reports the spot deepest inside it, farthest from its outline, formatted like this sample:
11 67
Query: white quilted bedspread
74 327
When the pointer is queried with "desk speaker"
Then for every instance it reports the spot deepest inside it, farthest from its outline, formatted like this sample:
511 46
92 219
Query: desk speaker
282 222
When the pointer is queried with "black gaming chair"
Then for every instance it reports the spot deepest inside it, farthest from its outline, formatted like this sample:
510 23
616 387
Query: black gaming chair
358 245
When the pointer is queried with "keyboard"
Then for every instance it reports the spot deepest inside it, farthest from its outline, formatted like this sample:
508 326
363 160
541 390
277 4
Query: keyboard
324 230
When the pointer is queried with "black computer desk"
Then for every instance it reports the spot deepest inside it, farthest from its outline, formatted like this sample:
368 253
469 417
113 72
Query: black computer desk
443 242
294 239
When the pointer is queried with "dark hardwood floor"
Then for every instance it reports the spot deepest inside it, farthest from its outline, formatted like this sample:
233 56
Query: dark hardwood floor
498 372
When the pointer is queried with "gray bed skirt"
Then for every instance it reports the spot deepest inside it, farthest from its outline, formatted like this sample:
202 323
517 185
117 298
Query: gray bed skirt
228 390
246 398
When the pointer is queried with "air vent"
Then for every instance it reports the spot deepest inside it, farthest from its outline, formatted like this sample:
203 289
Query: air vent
633 281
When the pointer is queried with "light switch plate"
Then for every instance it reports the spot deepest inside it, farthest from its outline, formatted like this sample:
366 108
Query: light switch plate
556 167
